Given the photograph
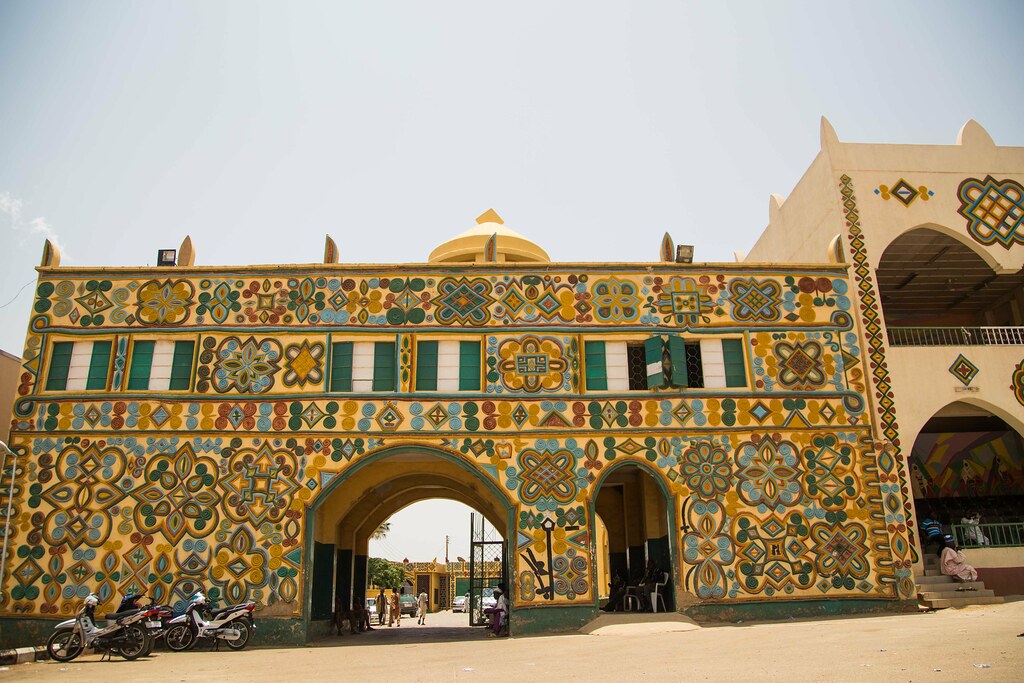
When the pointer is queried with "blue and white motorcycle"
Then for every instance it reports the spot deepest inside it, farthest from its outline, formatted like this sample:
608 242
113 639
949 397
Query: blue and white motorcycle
234 625
125 633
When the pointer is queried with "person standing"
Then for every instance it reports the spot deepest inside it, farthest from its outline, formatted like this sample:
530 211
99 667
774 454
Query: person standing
396 610
422 607
382 607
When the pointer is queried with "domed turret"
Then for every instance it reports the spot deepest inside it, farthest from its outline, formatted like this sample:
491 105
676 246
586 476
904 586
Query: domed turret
470 246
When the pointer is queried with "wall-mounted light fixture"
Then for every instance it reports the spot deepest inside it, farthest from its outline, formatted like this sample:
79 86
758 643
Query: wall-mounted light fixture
684 253
167 257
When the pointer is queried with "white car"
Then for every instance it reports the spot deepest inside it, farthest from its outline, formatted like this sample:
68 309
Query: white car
460 603
371 606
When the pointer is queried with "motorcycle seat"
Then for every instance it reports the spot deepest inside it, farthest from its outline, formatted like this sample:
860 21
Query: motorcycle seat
223 610
121 615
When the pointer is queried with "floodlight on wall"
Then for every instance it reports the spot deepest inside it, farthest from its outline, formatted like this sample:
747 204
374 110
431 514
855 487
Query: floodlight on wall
684 253
166 257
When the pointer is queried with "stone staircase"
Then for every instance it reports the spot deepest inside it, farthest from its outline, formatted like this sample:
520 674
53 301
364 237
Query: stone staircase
938 591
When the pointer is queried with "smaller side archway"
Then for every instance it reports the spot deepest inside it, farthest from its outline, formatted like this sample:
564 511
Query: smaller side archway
638 514
969 459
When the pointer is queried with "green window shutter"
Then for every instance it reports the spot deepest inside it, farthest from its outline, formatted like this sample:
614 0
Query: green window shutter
142 363
341 366
181 365
384 366
735 371
99 364
677 352
469 366
597 368
426 366
655 369
60 363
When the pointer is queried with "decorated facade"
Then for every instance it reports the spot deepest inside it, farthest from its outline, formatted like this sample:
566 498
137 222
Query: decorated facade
243 430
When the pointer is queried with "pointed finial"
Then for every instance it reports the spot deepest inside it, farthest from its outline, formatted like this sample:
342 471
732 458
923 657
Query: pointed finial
186 254
973 134
775 202
835 250
490 216
668 249
828 134
491 248
330 251
51 255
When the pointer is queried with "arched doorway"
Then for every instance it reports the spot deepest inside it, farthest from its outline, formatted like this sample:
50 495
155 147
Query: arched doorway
354 504
638 517
968 460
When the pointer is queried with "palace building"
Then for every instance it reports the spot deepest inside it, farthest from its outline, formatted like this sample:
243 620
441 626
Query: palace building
763 430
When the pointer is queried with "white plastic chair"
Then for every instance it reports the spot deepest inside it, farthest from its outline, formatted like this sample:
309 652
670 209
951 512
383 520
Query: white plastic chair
656 594
631 601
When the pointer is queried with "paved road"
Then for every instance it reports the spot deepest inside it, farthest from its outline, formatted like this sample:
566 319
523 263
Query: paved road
892 648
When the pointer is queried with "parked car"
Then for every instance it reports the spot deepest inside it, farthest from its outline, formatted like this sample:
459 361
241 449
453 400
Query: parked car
460 603
488 598
371 606
408 603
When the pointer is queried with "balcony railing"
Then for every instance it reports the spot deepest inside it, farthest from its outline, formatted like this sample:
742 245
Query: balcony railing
1005 534
956 336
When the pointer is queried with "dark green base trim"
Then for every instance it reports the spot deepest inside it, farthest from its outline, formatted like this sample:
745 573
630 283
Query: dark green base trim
275 632
772 610
528 621
26 631
320 628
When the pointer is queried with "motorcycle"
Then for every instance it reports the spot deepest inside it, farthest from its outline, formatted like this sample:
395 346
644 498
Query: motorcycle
125 633
234 625
156 625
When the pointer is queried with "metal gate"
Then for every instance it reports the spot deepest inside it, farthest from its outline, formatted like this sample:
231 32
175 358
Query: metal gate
487 564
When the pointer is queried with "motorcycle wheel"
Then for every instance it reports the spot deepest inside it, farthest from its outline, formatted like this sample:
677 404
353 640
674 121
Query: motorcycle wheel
179 637
151 642
243 639
63 646
135 643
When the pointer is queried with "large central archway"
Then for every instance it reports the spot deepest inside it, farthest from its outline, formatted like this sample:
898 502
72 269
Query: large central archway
351 506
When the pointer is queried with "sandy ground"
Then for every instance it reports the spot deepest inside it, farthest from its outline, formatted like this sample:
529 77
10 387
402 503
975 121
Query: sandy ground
949 645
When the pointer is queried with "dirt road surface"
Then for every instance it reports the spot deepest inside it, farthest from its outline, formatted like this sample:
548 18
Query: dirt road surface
951 645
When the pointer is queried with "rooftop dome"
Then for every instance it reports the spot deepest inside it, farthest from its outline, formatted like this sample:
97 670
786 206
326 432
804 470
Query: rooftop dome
470 246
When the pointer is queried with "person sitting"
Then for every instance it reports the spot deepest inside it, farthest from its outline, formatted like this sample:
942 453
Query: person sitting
972 529
931 528
953 563
651 578
617 594
361 615
498 613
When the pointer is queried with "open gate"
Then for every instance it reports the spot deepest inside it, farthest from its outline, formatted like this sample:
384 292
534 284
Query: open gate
487 563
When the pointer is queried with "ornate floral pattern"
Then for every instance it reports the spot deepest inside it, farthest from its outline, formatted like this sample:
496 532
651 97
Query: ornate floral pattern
615 300
532 364
767 473
164 303
705 469
246 366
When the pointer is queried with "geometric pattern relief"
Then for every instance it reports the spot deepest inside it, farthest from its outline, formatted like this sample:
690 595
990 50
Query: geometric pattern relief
904 192
901 538
963 369
994 210
1017 382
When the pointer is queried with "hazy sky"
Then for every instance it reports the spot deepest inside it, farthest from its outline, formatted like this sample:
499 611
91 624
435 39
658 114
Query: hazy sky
592 127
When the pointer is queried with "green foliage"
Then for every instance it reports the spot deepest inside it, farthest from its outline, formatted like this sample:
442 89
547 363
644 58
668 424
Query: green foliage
385 573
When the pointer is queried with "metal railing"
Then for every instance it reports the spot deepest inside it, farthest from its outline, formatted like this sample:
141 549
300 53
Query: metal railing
1001 535
956 336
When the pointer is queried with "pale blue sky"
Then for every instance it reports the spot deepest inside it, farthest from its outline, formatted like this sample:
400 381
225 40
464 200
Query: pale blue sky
592 127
